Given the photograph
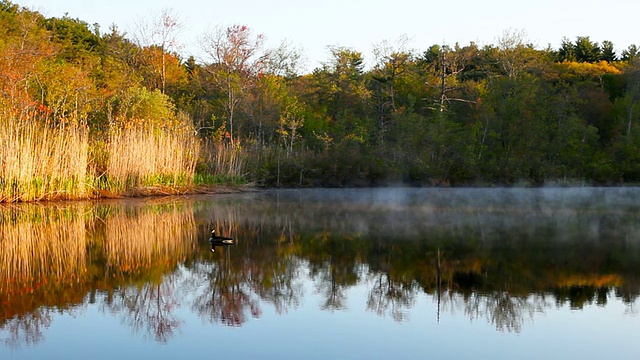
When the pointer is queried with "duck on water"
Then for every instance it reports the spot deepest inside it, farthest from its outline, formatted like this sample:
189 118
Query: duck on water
217 240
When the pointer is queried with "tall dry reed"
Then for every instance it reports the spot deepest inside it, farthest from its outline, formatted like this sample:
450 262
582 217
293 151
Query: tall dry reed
45 160
225 160
40 160
140 156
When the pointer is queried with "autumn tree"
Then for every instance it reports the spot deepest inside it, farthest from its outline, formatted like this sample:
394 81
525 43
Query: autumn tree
392 62
515 54
22 50
446 64
159 35
236 57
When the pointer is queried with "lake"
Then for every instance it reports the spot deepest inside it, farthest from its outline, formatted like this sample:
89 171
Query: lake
402 273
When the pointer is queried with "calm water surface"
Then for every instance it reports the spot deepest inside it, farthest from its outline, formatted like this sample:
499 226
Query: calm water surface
319 274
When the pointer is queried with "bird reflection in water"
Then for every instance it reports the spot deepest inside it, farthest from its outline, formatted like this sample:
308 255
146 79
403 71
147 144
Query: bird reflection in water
217 240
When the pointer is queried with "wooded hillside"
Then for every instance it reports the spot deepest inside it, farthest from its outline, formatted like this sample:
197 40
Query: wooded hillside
508 113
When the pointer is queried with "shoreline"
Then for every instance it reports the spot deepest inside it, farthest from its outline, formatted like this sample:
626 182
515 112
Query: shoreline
146 192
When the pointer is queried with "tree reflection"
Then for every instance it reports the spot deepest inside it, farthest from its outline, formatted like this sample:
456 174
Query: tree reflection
332 291
149 308
27 328
271 263
388 296
225 298
333 267
507 312
278 282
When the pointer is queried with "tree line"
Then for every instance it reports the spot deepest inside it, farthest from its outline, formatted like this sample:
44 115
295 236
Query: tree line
506 113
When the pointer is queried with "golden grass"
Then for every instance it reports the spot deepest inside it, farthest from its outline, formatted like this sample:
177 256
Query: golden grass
225 160
42 161
140 156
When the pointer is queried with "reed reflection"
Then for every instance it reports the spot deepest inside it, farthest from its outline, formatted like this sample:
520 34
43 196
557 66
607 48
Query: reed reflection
145 245
54 256
42 264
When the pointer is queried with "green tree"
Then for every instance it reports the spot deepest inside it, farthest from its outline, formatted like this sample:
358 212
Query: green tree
79 44
342 89
608 54
630 53
66 90
516 139
392 63
291 120
587 50
631 98
267 99
151 107
567 51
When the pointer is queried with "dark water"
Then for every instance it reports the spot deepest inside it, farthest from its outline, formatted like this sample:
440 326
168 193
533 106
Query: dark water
318 274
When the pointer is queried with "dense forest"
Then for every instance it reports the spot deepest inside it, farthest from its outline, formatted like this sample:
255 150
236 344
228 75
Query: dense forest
86 112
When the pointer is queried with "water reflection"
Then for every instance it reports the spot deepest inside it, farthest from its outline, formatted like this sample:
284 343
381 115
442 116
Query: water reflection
500 256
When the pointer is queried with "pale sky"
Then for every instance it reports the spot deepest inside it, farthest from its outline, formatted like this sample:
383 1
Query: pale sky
361 24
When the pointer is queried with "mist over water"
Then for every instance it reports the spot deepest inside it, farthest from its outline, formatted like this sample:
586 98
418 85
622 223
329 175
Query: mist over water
399 213
403 270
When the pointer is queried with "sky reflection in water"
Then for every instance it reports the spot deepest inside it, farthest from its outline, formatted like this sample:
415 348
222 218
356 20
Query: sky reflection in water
524 273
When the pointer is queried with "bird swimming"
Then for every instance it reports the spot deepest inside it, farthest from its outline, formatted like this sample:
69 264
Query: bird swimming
217 240
222 239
